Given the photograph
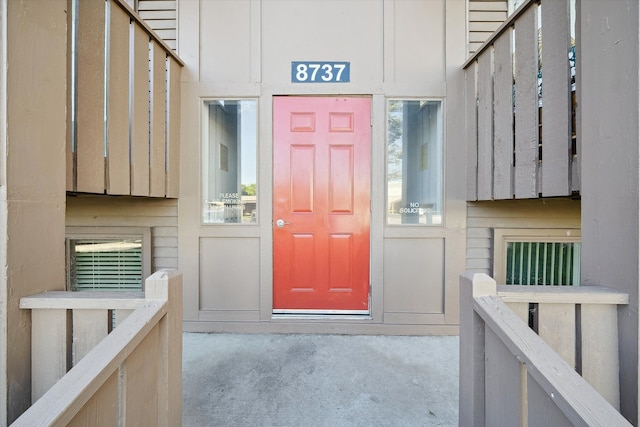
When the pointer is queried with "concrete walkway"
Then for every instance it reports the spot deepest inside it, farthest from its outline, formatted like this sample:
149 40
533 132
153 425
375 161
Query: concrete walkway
319 380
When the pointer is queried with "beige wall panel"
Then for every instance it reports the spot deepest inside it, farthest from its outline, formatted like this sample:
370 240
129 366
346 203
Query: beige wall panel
229 278
324 31
157 177
118 179
32 145
140 114
90 102
414 275
227 20
414 61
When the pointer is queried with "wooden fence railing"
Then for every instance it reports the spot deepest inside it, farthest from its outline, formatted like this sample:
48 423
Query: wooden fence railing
124 104
520 97
132 375
509 375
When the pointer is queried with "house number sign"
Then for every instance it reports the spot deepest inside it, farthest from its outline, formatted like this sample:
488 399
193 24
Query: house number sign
320 72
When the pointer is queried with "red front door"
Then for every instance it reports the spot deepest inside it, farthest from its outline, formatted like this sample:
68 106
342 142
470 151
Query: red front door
321 203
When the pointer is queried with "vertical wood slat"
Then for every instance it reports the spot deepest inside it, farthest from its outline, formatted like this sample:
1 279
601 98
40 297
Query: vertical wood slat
526 120
70 175
472 132
557 326
521 309
140 114
600 362
542 410
173 128
89 328
103 406
49 349
485 127
118 173
90 97
502 373
158 121
556 94
140 405
503 117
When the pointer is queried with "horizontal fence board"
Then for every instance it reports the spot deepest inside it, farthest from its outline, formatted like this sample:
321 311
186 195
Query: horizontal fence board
526 119
118 173
90 149
562 294
556 99
503 118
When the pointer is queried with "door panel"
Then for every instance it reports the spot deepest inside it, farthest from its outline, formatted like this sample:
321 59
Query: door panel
321 194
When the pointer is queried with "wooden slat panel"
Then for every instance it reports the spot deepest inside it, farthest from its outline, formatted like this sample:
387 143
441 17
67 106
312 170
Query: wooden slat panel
158 14
542 409
90 97
102 408
173 129
600 362
556 94
49 349
70 175
472 133
521 309
140 114
161 24
526 51
487 16
503 118
141 383
502 383
485 127
89 328
118 177
158 121
557 327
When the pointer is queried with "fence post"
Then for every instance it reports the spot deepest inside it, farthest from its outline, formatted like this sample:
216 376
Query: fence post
167 285
471 401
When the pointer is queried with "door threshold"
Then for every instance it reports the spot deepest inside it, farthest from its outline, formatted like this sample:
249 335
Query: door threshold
321 315
319 312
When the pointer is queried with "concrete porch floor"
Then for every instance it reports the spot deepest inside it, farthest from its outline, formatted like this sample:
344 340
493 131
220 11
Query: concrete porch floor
319 380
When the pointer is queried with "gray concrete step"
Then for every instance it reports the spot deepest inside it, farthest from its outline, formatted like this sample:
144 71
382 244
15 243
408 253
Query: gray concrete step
319 380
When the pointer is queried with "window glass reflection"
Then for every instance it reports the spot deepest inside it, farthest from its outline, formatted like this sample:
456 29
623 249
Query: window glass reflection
414 162
230 166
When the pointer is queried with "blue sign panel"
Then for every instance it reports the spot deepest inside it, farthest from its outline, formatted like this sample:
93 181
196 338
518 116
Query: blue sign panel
320 72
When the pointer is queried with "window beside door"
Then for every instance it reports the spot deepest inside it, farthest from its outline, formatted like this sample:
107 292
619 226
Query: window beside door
537 257
229 153
104 259
414 162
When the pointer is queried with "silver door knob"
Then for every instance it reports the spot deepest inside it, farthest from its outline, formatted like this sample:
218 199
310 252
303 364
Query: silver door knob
281 223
